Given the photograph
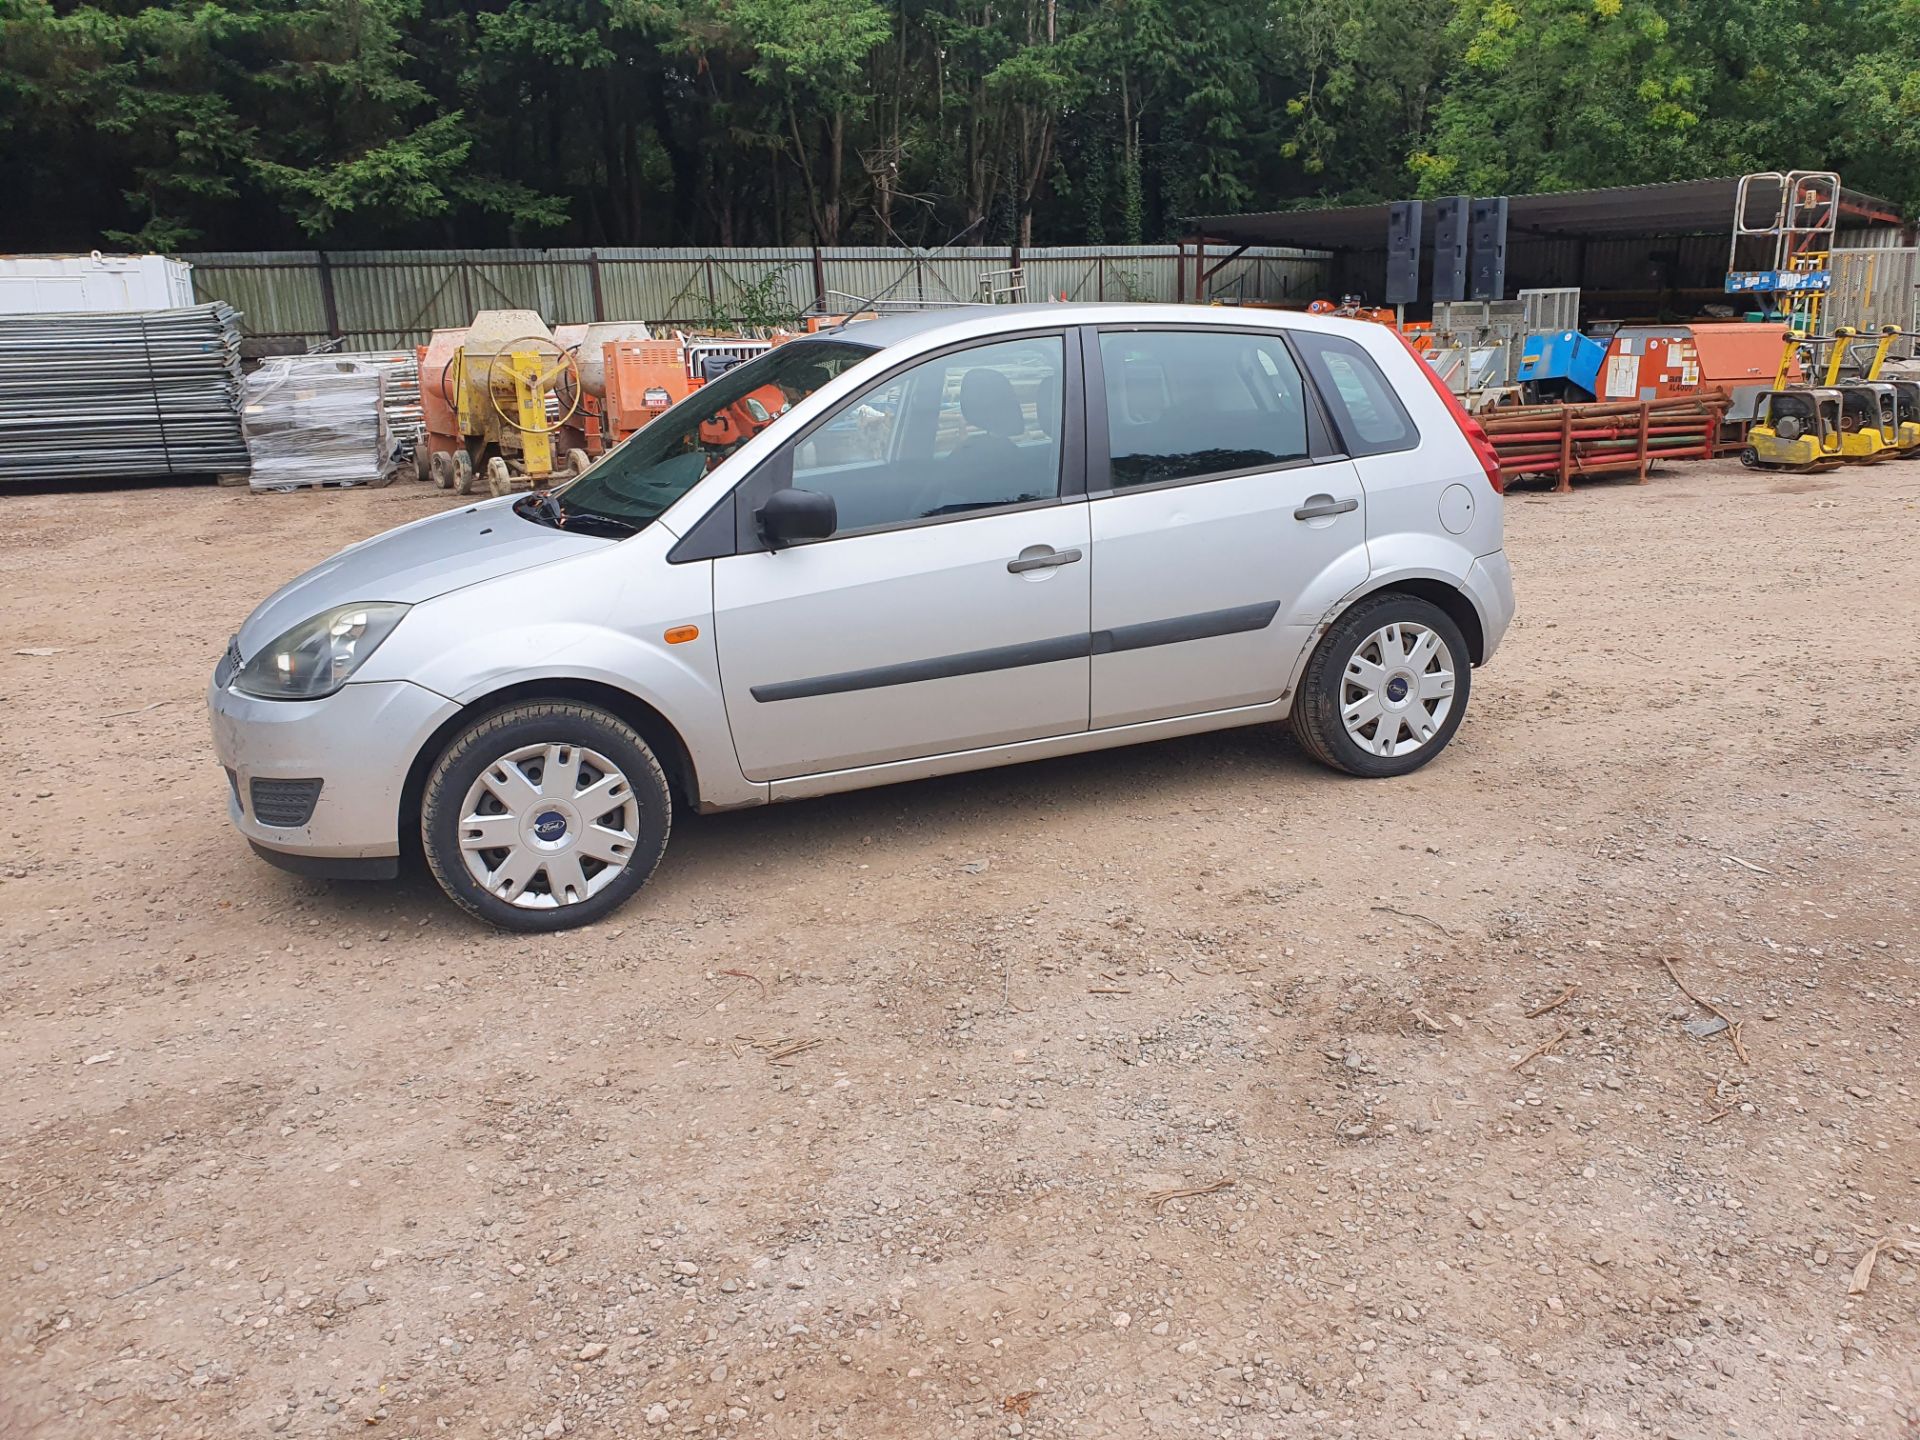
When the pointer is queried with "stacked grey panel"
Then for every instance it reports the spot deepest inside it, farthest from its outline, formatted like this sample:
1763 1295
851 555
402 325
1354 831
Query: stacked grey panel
403 423
102 396
319 420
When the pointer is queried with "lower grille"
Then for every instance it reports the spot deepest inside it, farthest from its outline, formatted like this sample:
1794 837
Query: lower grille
284 804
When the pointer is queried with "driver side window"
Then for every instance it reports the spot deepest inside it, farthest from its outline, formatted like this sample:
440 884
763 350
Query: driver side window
968 431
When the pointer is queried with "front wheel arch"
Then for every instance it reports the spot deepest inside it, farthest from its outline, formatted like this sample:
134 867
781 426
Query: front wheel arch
653 727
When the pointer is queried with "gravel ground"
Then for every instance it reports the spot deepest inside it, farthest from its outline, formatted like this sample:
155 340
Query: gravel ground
1186 1090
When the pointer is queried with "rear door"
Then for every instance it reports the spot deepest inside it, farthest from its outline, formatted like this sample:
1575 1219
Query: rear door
1215 494
950 610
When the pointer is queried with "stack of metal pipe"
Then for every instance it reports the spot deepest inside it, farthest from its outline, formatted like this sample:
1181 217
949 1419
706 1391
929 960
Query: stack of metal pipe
105 396
1569 442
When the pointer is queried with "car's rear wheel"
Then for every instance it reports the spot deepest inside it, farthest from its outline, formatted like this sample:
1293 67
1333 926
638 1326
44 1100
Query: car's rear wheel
1386 687
545 816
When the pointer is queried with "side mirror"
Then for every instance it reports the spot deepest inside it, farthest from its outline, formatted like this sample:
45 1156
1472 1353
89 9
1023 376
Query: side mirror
789 515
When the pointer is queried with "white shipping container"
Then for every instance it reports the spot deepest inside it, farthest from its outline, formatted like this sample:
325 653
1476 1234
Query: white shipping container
65 284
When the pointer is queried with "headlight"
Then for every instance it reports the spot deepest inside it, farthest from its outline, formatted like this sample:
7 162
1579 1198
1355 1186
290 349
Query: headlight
318 656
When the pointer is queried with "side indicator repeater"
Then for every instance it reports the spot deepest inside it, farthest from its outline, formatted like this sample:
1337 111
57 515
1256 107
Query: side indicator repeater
681 634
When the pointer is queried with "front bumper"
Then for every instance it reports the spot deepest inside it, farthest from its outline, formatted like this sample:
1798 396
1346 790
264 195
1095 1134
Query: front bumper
1490 586
359 743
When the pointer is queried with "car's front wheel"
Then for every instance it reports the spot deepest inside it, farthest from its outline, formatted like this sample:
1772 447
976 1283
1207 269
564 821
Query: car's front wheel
545 816
1385 688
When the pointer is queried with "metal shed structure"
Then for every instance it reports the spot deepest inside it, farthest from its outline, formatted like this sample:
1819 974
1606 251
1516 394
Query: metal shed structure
1635 251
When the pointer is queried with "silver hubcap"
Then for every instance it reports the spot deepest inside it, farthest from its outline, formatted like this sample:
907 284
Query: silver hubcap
548 825
1397 690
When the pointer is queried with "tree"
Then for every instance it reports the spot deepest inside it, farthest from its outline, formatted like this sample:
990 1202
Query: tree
264 123
1557 94
811 54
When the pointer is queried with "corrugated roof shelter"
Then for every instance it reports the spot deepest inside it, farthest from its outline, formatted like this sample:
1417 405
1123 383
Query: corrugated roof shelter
1634 249
1680 207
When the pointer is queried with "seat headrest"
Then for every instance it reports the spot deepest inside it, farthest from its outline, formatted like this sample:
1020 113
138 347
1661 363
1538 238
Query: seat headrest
1046 405
987 402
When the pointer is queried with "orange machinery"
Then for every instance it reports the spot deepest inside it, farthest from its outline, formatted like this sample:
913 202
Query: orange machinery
1742 352
1649 362
438 403
643 377
1417 333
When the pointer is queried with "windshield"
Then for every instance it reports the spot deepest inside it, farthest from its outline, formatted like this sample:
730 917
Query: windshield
667 457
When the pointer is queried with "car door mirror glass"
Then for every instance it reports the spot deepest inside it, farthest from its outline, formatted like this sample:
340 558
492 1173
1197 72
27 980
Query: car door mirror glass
789 515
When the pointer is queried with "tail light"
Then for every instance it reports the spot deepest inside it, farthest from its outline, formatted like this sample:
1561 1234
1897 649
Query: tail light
1483 450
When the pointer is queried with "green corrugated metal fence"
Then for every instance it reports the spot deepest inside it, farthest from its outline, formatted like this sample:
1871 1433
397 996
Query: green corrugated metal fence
385 299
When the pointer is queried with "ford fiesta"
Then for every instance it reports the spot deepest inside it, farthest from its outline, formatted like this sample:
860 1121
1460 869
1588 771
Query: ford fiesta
916 545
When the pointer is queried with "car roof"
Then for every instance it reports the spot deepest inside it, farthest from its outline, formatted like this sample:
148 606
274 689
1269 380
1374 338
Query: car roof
973 321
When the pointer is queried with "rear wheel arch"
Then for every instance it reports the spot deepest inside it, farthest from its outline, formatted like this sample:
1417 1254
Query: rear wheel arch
1447 597
1385 686
624 705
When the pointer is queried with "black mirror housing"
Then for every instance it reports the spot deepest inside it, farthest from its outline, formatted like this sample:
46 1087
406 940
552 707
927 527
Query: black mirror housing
789 515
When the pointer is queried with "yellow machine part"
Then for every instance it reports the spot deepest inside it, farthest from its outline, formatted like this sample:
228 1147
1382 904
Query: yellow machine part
1888 334
530 410
1801 452
464 410
1863 447
1817 448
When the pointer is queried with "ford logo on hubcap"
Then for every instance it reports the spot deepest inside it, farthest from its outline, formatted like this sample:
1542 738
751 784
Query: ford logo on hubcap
1397 689
550 826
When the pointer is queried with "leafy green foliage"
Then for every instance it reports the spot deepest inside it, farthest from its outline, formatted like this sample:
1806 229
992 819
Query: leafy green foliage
248 123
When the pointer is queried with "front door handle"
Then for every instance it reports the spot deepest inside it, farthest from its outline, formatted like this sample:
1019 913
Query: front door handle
1318 509
1042 562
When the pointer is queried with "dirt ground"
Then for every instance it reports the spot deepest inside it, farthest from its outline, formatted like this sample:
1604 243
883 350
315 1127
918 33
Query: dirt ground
1186 1090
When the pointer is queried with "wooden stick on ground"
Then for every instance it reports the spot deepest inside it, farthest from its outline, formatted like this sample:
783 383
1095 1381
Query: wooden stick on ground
1415 915
1555 1003
749 975
1733 1026
1159 1199
1539 1050
1863 1272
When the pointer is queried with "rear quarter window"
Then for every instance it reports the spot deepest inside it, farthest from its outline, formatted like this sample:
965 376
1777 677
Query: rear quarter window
1362 403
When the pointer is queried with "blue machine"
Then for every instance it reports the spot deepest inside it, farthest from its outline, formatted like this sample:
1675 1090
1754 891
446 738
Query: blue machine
1562 355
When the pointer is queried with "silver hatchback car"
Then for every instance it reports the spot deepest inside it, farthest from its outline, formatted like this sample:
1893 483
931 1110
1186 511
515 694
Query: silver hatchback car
911 546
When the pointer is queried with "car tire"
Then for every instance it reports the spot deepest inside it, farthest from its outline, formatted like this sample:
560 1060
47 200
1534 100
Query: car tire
1391 660
530 776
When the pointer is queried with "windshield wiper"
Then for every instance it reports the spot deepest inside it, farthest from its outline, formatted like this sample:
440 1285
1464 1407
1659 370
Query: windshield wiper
588 521
546 507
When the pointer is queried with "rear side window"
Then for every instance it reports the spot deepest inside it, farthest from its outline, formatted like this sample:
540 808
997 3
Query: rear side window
1183 404
1365 411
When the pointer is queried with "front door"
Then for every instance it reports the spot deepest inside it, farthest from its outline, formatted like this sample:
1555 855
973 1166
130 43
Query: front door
1214 503
949 611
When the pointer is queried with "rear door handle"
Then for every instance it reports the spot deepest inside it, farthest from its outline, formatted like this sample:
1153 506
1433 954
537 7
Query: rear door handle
1042 562
1321 509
